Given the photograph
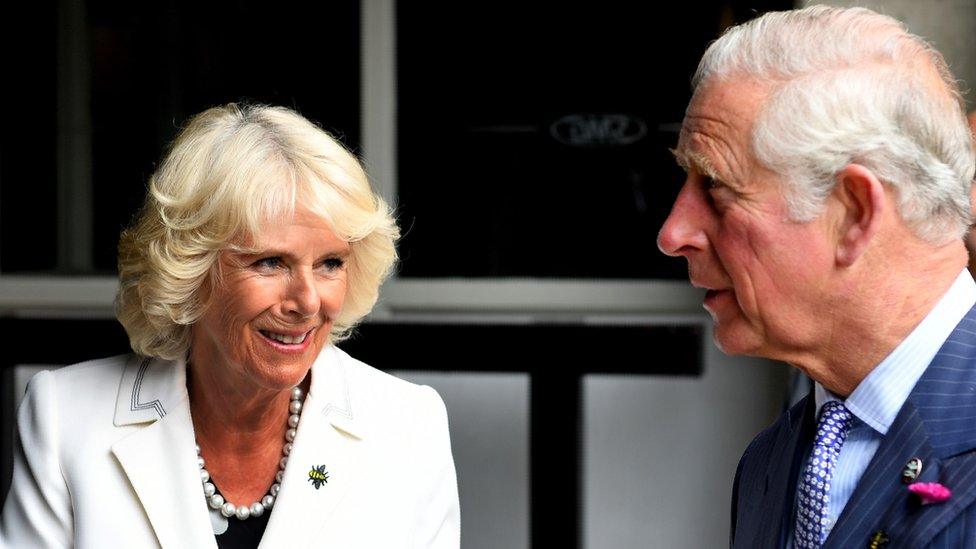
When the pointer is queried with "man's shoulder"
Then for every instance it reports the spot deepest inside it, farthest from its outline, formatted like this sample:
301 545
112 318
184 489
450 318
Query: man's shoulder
758 451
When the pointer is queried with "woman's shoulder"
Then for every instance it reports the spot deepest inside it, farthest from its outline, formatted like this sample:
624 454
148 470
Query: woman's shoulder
384 393
95 386
72 407
82 378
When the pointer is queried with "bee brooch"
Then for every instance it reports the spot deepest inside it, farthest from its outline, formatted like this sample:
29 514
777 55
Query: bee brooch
318 476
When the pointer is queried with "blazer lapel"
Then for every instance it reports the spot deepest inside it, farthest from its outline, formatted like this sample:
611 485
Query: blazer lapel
786 459
881 484
914 524
330 435
160 458
938 425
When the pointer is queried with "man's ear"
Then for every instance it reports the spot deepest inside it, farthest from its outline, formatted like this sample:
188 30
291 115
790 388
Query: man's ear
862 197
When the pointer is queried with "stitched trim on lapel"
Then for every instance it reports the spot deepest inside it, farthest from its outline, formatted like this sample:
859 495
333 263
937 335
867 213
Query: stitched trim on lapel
331 384
148 388
137 386
159 461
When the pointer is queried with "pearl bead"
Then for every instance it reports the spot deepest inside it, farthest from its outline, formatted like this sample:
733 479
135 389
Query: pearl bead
216 501
256 509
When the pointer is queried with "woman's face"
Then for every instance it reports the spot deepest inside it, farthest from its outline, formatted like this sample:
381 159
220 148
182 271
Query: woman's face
270 312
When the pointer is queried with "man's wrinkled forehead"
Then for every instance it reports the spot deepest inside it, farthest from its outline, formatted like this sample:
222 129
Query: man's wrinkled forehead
718 123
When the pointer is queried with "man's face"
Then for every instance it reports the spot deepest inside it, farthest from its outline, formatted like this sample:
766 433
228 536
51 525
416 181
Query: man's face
765 274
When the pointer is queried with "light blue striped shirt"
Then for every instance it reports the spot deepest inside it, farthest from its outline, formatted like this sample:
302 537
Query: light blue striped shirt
878 398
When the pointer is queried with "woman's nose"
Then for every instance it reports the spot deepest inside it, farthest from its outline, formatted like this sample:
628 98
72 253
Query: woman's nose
303 297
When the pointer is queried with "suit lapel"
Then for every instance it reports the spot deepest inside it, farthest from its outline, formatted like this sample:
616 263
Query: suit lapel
330 434
786 459
938 425
914 524
881 483
160 458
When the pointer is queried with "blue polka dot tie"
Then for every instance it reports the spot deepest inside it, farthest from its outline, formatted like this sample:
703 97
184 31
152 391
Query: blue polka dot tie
813 498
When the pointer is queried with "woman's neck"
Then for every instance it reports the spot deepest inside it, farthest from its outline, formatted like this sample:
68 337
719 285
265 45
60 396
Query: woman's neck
240 431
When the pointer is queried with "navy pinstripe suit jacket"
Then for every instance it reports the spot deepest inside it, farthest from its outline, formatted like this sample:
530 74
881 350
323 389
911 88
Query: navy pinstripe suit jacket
937 424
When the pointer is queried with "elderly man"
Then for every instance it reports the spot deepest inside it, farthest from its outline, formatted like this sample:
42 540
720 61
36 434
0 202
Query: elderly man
971 238
829 169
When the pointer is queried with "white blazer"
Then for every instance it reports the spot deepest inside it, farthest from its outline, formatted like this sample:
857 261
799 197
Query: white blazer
106 458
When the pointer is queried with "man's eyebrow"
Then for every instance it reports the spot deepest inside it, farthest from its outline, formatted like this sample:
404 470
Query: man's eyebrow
690 159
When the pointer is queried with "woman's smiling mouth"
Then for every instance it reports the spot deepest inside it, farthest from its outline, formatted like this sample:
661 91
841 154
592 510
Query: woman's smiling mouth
285 339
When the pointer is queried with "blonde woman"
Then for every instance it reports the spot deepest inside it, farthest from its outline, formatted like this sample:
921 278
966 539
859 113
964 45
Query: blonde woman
236 422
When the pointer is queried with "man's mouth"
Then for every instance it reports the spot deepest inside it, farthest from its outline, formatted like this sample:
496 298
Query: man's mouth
285 338
712 296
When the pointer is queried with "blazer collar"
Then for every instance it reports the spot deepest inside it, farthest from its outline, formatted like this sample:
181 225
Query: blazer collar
786 459
150 387
330 436
331 392
160 458
935 425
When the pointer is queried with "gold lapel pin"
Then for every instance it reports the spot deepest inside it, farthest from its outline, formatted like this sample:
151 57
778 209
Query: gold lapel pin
878 540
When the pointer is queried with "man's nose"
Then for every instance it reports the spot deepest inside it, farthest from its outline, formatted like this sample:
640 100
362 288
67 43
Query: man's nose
682 231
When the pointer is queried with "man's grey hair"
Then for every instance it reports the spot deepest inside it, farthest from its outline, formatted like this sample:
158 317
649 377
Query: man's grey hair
853 86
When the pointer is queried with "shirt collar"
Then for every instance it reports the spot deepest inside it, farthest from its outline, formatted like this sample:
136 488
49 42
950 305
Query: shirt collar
878 398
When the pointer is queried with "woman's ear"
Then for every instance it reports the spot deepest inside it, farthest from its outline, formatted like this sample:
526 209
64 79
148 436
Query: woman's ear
862 197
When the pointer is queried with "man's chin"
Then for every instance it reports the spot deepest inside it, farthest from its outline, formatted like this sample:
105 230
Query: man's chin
732 339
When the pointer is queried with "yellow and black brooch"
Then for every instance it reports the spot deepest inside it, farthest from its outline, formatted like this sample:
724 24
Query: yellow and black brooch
318 476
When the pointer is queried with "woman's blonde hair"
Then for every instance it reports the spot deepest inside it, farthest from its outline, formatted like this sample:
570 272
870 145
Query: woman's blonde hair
228 172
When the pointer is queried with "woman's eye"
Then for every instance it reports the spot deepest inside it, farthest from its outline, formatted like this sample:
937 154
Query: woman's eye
333 263
268 262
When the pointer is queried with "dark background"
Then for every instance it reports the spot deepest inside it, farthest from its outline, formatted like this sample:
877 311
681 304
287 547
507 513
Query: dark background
485 189
532 142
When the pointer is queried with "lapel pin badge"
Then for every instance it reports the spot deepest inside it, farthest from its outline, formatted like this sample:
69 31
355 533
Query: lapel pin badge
318 476
878 540
911 471
930 492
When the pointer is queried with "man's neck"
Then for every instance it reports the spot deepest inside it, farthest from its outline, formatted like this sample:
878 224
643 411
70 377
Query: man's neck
879 309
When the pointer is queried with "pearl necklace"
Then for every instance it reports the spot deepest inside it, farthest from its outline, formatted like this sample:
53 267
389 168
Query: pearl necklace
256 509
